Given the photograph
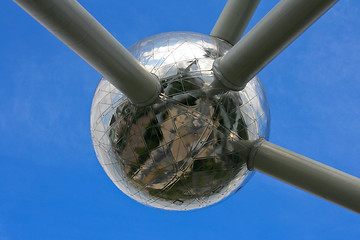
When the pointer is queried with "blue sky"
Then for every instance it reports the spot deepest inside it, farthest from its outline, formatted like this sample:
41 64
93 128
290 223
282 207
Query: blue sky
52 186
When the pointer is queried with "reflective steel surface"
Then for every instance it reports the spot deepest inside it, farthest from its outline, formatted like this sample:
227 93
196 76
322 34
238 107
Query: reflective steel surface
176 154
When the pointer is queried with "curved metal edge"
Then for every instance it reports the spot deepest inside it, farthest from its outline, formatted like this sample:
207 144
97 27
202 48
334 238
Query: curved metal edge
220 78
153 98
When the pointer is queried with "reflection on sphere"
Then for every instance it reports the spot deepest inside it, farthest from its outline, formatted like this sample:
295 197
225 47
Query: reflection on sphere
175 154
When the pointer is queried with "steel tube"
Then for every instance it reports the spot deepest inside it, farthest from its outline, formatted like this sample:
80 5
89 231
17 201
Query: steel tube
234 19
77 29
304 173
282 25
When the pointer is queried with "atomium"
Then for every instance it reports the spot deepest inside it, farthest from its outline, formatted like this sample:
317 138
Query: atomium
180 119
174 154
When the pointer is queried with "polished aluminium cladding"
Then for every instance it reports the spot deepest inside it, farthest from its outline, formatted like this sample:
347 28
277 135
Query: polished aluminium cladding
175 154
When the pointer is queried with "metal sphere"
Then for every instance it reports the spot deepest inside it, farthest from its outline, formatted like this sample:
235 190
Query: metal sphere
175 154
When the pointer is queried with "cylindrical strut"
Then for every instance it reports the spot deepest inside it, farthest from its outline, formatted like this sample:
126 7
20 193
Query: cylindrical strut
304 173
281 26
75 27
234 19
